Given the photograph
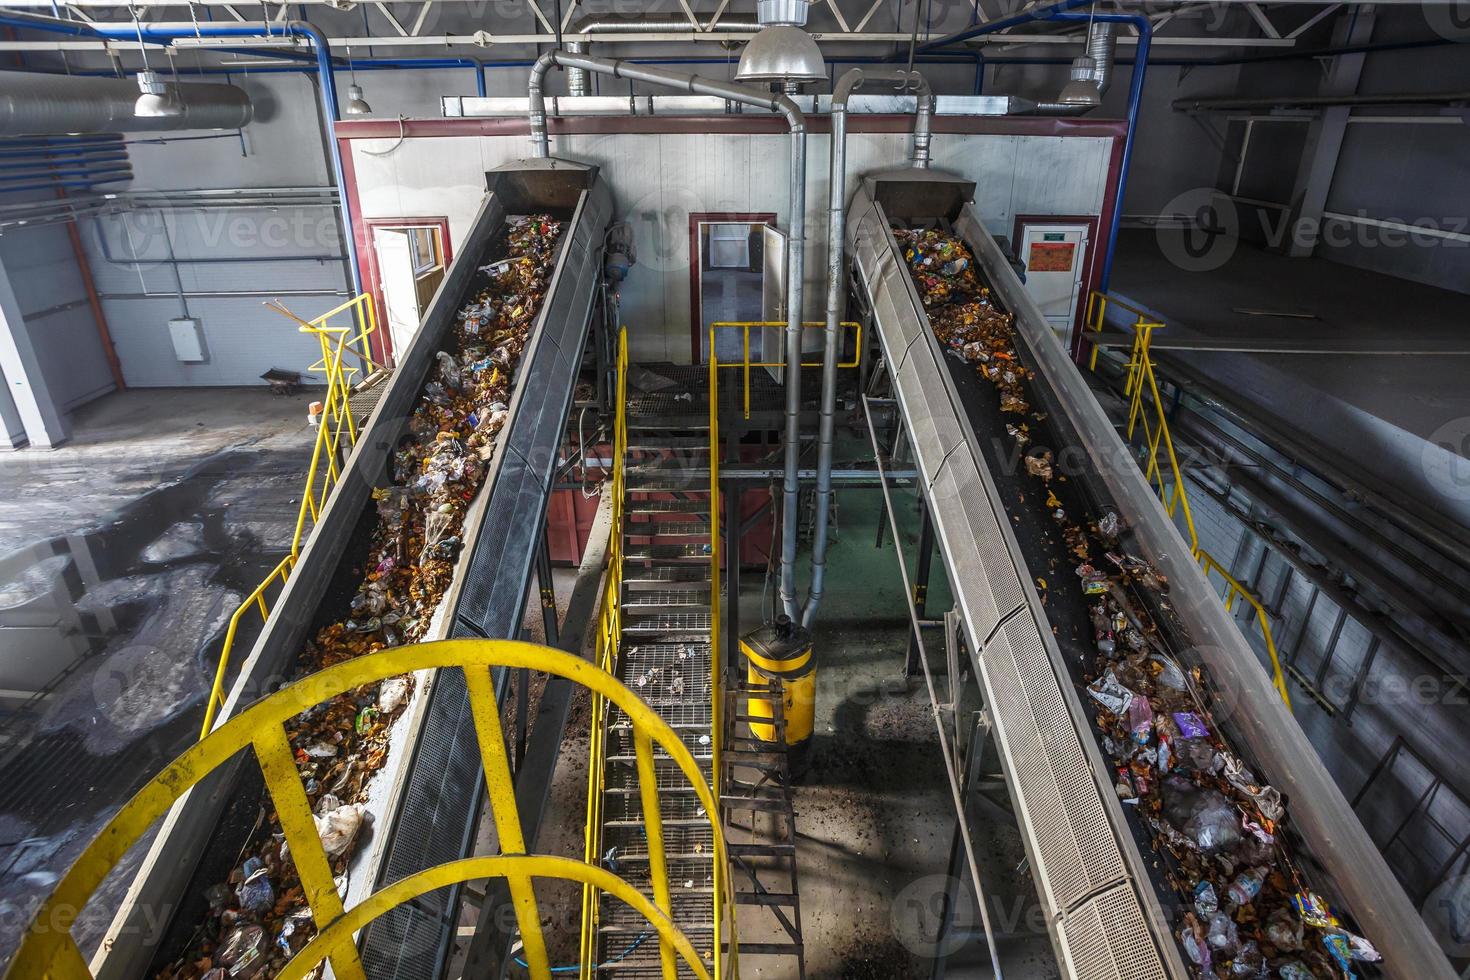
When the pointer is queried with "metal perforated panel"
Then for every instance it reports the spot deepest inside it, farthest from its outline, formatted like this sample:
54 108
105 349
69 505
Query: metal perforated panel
1078 849
1107 939
439 808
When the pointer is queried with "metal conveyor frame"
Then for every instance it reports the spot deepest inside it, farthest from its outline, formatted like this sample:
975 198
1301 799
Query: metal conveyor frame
432 738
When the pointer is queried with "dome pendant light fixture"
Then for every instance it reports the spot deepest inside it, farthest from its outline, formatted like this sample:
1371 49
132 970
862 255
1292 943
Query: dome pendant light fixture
155 99
1082 89
781 54
356 104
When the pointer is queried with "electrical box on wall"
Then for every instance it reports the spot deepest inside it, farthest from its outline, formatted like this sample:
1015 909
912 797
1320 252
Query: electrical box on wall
188 339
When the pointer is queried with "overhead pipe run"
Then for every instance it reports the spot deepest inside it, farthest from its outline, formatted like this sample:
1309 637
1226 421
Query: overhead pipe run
850 81
796 123
44 105
591 24
166 33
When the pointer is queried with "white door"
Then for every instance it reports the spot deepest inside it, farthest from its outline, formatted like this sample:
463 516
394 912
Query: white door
1055 257
773 298
396 276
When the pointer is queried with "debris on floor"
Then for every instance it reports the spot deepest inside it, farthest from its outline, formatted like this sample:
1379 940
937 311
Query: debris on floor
259 918
1248 908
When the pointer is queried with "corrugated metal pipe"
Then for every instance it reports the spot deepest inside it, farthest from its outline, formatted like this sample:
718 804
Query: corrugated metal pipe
577 83
796 123
851 80
1102 42
40 105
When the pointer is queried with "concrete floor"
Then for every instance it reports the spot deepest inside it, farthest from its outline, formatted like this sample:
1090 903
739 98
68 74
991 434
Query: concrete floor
874 814
122 556
1319 368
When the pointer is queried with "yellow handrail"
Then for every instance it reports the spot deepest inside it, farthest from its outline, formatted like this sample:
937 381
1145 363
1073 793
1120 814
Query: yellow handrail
717 674
1233 590
336 432
1160 461
745 363
609 632
48 949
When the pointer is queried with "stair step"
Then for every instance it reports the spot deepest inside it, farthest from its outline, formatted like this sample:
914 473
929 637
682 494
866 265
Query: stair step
685 576
665 624
771 949
684 554
765 898
650 443
666 600
650 477
761 850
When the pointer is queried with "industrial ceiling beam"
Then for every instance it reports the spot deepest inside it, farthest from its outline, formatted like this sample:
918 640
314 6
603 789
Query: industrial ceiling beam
488 40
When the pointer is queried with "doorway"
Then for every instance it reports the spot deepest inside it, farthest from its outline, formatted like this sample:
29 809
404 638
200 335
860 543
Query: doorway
409 257
738 275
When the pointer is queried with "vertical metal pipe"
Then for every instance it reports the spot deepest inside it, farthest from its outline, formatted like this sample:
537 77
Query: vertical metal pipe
849 82
796 123
577 78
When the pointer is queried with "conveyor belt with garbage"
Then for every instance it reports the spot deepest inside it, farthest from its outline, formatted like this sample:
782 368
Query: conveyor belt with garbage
432 533
1176 821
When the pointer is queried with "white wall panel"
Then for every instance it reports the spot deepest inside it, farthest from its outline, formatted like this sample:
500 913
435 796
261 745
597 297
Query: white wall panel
43 273
659 179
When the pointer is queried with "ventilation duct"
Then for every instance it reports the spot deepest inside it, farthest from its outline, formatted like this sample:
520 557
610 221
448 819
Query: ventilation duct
47 105
593 24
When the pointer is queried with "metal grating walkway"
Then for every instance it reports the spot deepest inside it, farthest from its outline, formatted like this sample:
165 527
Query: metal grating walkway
664 657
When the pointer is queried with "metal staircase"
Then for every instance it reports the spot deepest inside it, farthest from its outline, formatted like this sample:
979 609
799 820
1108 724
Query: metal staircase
664 656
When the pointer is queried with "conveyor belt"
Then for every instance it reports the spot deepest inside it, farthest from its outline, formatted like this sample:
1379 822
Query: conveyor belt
426 798
1106 911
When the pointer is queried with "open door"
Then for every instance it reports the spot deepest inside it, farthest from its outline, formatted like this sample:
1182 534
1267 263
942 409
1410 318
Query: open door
411 262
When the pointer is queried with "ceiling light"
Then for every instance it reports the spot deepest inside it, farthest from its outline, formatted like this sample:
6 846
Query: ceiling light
356 104
156 99
1082 89
789 12
781 54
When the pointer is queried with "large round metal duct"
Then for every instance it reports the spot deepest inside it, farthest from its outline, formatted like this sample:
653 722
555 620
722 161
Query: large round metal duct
48 105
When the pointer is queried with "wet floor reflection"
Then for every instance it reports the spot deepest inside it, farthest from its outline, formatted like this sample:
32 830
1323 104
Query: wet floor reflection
109 637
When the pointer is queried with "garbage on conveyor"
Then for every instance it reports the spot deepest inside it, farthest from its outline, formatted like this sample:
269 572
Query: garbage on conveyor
1246 910
259 918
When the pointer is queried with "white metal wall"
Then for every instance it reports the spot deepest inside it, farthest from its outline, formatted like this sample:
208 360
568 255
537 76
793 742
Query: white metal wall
43 273
658 179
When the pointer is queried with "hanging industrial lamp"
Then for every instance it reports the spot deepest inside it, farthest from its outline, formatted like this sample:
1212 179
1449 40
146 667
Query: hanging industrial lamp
156 98
356 104
781 54
1082 89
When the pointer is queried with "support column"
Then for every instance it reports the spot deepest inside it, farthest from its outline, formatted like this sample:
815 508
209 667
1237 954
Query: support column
1325 135
44 422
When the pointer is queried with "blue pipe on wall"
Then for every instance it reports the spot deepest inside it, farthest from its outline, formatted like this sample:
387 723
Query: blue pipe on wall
1037 13
165 35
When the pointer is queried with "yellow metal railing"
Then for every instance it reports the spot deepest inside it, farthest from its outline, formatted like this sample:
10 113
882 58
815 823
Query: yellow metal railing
609 633
48 949
1235 590
716 659
1148 418
342 343
745 363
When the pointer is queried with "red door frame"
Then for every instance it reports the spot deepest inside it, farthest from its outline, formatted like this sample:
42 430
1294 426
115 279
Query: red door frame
384 347
697 218
1092 270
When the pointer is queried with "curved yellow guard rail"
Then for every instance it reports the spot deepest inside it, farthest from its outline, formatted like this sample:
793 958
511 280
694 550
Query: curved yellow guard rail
326 455
48 949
